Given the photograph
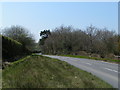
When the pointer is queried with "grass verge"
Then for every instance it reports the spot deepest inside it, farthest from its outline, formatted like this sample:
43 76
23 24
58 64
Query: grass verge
0 79
43 72
94 58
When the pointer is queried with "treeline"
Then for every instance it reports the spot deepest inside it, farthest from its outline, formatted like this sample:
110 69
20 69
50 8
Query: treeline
92 40
16 43
11 49
21 35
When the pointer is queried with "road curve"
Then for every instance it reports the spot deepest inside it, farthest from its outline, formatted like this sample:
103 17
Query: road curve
104 70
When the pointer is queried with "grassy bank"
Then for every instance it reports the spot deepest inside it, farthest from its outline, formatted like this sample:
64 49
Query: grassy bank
43 72
94 58
0 79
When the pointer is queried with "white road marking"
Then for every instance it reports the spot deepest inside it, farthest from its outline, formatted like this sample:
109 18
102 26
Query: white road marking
88 63
111 70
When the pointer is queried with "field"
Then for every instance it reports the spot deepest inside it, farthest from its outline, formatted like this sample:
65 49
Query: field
37 71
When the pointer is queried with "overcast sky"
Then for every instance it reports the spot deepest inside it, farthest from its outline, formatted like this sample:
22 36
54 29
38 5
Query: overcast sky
37 16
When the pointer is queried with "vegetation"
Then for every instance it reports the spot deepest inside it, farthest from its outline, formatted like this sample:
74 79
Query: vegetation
20 42
94 58
12 49
21 35
67 40
0 78
44 34
42 72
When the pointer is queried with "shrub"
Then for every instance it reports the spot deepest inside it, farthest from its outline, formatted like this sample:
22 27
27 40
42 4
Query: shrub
11 49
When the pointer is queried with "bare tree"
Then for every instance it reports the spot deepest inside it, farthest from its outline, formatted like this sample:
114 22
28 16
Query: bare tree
67 40
21 35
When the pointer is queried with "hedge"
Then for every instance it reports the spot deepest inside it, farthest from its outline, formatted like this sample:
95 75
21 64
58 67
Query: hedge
12 48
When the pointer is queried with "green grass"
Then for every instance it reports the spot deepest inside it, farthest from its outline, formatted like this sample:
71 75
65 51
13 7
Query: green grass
20 60
0 78
94 58
43 72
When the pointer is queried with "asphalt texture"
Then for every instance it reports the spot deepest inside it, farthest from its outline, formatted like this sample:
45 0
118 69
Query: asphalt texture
106 71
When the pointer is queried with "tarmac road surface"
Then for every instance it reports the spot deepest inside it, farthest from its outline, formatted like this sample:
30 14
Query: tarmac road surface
104 70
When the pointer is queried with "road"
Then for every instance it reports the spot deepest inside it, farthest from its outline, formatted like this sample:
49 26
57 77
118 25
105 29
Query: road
104 70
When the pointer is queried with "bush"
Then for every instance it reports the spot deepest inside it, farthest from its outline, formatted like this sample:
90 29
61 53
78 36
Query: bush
95 55
82 53
111 56
11 49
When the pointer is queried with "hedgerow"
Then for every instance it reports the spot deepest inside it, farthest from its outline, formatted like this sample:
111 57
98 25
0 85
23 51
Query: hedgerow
12 49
